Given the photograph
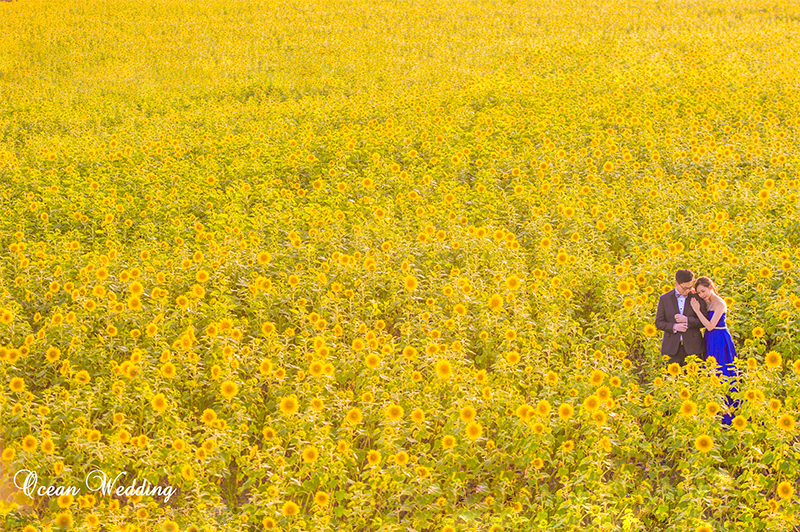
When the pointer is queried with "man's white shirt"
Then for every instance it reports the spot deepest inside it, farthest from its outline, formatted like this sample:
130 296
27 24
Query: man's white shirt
681 304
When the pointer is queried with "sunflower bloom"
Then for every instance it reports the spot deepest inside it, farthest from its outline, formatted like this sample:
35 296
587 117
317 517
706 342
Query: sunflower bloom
786 422
565 411
704 443
785 490
474 430
289 405
229 389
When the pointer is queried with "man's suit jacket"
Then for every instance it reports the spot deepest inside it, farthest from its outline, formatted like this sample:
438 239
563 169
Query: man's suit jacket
693 342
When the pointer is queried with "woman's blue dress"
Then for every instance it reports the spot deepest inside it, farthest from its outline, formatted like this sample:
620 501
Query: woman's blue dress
719 344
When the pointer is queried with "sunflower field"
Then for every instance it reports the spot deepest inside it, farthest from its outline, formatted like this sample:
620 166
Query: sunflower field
394 265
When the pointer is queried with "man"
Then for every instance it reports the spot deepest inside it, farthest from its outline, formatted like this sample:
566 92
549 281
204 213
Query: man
679 322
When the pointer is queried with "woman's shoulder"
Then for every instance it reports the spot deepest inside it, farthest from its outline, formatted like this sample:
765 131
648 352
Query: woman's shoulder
720 304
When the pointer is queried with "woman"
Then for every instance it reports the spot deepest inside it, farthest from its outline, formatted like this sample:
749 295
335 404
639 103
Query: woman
719 342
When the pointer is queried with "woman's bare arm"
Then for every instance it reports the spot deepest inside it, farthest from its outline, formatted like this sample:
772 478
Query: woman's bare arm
709 325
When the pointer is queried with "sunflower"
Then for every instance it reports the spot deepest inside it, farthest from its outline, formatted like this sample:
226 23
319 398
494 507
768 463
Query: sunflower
467 414
265 368
124 436
543 408
187 472
739 423
47 446
591 403
64 520
565 411
786 422
374 457
603 393
712 409
674 369
418 415
310 455
29 443
182 302
168 370
448 442
16 384
170 526
773 359
605 443
423 472
372 361
524 411
159 403
394 412
495 302
229 389
409 352
321 498
785 490
289 508
316 368
135 303
401 458
596 377
704 443
289 405
52 354
208 416
444 369
474 431
688 408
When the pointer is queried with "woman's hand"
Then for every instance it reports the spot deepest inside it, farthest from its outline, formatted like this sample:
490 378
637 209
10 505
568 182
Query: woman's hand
695 304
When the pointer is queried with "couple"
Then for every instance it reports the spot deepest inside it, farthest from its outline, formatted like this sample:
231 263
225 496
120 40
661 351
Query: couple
681 314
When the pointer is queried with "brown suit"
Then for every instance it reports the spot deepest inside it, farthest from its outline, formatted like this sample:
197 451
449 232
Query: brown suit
693 342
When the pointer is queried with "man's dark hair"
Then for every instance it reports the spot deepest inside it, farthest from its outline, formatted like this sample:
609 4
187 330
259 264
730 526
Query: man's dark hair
684 276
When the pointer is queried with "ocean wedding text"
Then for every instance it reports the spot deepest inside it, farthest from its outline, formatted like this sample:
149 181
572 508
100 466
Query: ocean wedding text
95 481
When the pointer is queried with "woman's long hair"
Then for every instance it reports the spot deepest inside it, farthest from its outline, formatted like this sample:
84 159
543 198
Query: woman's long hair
705 281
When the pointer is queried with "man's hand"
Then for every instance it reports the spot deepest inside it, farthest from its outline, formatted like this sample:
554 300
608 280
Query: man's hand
680 318
680 327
